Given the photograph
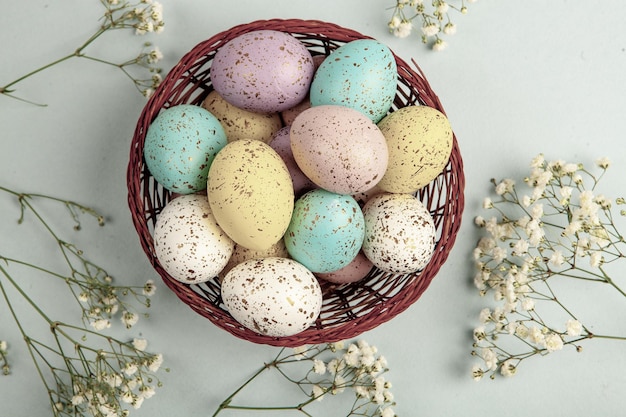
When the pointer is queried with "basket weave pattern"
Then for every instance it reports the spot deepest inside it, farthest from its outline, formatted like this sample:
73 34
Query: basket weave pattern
350 309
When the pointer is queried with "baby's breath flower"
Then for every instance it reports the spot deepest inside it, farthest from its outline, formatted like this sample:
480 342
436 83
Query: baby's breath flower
574 327
603 163
129 319
140 344
319 367
541 234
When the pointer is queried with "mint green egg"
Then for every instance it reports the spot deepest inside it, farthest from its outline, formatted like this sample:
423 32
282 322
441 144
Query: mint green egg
361 74
326 231
180 146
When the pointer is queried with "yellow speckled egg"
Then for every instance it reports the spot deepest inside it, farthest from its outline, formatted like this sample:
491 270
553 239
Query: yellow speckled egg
242 124
250 192
419 139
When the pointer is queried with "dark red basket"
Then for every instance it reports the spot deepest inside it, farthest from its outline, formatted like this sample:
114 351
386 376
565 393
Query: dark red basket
350 309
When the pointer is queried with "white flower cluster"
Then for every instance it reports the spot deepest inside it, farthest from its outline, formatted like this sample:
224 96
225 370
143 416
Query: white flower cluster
145 16
6 368
101 300
547 232
434 21
107 389
358 367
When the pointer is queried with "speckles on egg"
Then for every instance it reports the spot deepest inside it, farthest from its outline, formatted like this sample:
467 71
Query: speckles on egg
272 296
361 74
263 71
326 231
242 124
339 149
399 233
420 143
188 242
251 193
180 146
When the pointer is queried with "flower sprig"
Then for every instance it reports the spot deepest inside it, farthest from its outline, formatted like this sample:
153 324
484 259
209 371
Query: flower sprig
4 361
434 19
559 232
329 370
145 16
98 297
84 371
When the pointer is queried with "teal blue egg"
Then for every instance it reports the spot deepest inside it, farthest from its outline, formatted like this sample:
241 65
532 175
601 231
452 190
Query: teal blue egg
180 146
326 231
361 74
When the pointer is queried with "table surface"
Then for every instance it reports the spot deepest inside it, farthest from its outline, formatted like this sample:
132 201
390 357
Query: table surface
518 79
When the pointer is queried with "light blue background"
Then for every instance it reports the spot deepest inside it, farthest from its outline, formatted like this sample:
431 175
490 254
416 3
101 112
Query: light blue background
518 78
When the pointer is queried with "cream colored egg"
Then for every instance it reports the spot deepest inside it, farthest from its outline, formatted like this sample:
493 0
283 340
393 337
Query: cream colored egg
251 193
242 254
275 297
188 242
399 233
242 124
419 140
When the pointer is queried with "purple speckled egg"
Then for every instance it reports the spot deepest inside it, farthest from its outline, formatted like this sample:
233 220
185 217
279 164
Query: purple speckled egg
263 71
281 143
339 148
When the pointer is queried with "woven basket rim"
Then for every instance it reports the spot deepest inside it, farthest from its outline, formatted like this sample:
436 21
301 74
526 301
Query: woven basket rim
145 200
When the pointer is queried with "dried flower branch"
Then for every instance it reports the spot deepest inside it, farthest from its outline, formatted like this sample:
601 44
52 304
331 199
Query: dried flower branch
100 377
561 232
143 17
329 370
434 20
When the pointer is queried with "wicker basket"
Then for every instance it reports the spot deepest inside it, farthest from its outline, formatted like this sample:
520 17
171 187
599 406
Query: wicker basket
350 309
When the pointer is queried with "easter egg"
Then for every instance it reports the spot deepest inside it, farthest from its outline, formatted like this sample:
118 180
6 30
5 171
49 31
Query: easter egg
420 143
272 296
263 71
188 242
326 231
339 148
180 146
361 74
242 124
281 143
251 194
399 233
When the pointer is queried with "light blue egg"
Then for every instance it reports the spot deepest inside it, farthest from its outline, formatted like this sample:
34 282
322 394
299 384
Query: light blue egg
180 146
361 74
326 231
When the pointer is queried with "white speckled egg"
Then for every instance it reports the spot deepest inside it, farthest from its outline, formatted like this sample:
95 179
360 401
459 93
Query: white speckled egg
263 71
251 194
420 142
242 124
241 254
339 148
399 233
273 296
188 242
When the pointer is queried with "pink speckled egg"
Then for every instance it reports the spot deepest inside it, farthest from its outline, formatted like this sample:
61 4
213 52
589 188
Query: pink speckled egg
339 148
263 71
353 272
399 233
281 143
